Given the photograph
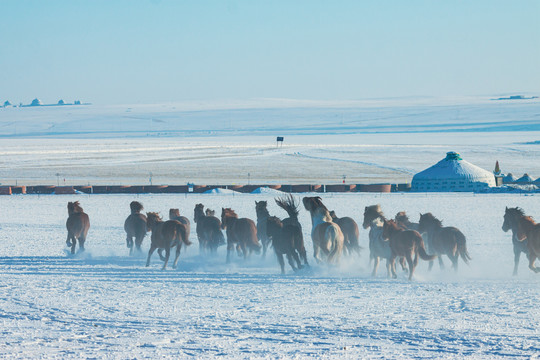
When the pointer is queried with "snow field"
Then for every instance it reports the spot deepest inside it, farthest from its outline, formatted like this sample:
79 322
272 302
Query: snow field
105 304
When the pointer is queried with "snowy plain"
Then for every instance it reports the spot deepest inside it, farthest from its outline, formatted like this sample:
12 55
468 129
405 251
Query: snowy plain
105 304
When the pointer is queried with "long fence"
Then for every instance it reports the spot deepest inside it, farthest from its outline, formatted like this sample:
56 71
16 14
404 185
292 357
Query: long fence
199 189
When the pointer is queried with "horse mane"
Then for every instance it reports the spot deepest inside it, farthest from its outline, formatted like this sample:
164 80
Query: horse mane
74 207
135 207
288 204
153 216
432 219
516 211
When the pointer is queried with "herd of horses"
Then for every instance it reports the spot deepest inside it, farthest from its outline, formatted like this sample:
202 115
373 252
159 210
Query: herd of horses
392 240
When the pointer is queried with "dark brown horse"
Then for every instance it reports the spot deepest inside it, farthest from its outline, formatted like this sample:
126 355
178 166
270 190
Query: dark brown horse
77 226
325 234
174 214
287 240
528 230
166 235
443 240
242 232
512 217
349 227
290 205
208 230
405 243
135 227
262 217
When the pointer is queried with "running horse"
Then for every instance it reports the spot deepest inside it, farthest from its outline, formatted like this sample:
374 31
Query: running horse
290 205
404 243
349 227
135 227
441 240
77 226
325 234
165 235
379 247
174 214
208 229
262 216
525 233
242 232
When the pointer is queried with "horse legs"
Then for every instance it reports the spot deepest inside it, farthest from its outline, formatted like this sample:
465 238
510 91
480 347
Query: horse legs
303 255
281 262
68 240
73 244
230 248
392 262
138 242
454 258
430 265
296 258
532 258
316 252
390 269
375 266
160 253
178 247
402 263
82 239
291 261
265 243
167 254
517 254
411 265
150 252
441 263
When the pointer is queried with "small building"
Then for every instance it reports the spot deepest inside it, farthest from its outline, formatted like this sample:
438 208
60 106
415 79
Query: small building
36 102
452 174
7 103
61 102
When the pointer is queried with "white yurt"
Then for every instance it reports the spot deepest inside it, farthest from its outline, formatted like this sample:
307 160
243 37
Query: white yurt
509 179
452 174
525 179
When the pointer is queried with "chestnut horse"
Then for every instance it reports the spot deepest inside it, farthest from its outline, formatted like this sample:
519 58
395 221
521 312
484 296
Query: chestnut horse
262 216
404 243
349 227
325 234
287 240
77 226
528 230
511 221
135 226
242 232
208 229
166 235
174 214
443 241
403 221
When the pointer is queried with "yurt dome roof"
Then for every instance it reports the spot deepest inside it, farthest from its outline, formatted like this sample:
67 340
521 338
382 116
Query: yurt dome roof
525 179
453 167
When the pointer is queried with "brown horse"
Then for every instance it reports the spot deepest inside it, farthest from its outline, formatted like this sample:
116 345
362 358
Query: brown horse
174 214
325 234
528 230
511 221
77 226
242 232
405 243
135 226
349 227
165 235
287 240
379 247
208 230
443 241
262 217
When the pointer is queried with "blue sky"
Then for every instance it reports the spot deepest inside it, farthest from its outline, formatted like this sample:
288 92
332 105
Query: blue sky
110 52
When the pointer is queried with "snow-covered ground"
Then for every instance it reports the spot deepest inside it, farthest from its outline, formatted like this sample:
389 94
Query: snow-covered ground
105 304
375 142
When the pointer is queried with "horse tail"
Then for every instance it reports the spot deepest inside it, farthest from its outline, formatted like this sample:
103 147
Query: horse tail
422 249
462 247
217 237
334 236
182 232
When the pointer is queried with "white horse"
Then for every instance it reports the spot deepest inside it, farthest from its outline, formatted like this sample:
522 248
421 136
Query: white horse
326 235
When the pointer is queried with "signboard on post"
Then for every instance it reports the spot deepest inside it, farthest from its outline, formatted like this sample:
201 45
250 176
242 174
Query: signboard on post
279 141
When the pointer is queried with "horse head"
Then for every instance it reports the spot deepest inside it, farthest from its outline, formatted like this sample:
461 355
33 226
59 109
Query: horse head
209 212
74 207
511 218
152 218
135 207
371 213
389 227
260 208
226 215
174 214
428 221
198 212
402 218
